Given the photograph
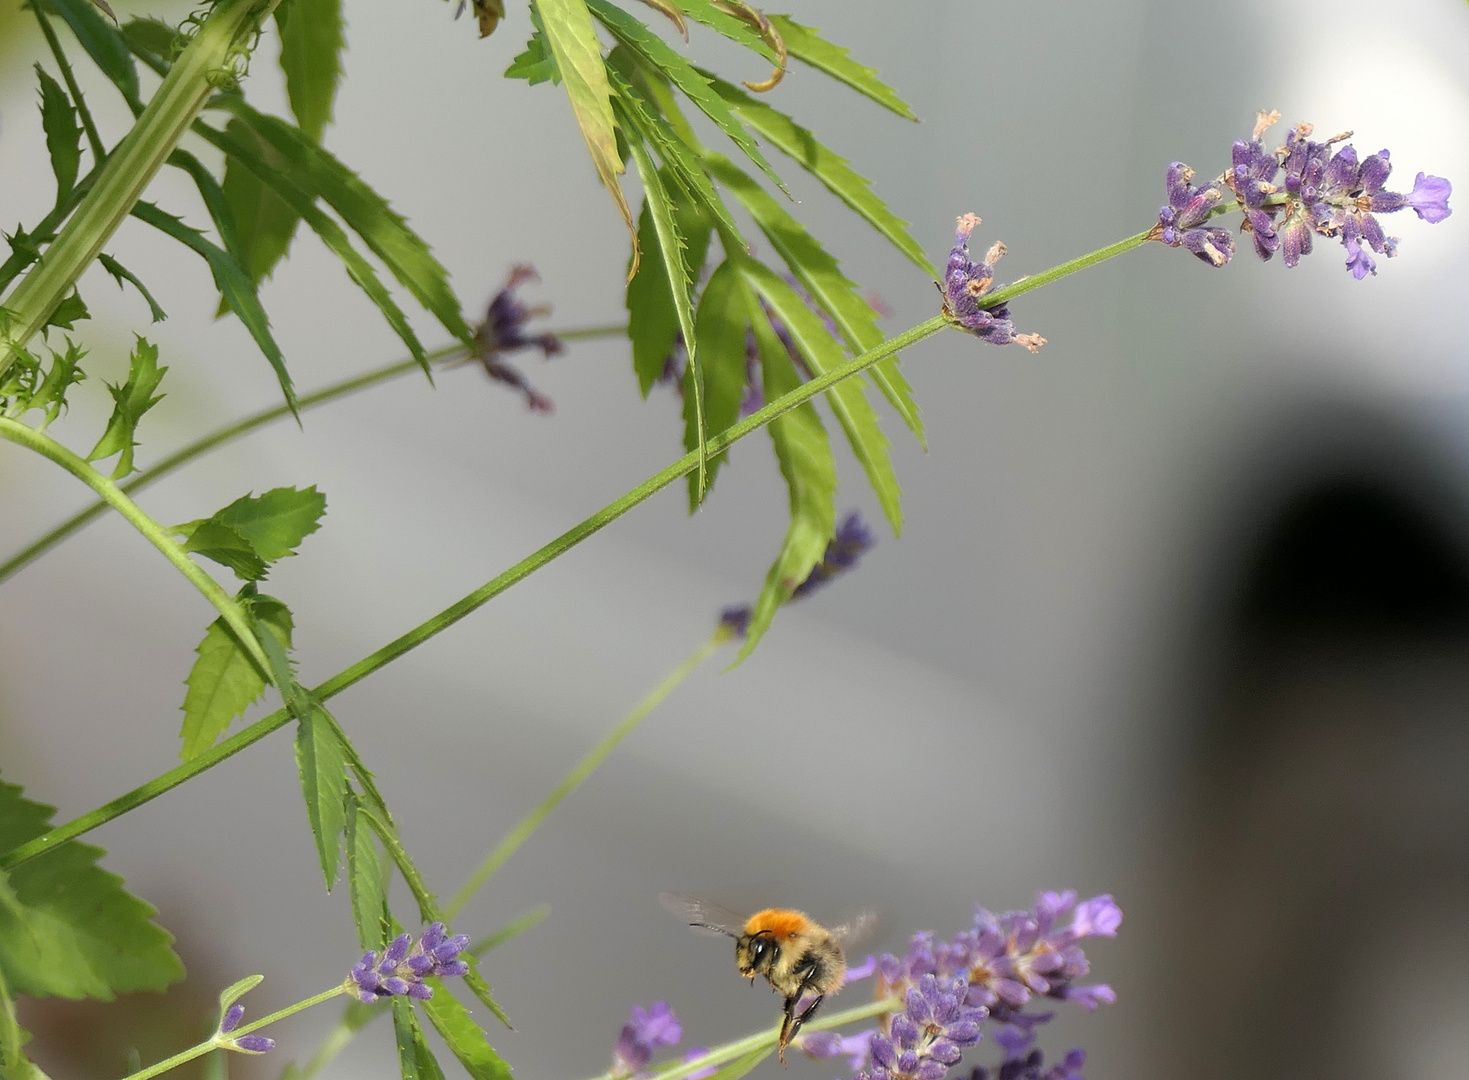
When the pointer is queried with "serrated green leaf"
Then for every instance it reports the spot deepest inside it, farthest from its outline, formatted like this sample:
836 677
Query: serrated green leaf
234 285
511 930
735 29
371 797
122 275
82 934
13 1062
366 881
311 57
676 275
236 990
152 40
406 1036
806 462
274 523
130 401
64 373
720 328
791 139
225 546
535 64
264 222
366 213
481 989
224 680
463 1036
218 205
652 322
805 44
104 44
69 312
820 275
323 768
573 43
428 903
652 50
283 181
63 134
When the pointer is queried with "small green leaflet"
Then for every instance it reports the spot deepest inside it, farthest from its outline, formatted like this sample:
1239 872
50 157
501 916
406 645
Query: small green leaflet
236 990
323 768
63 134
463 1036
535 64
804 43
131 400
365 880
311 57
264 222
735 29
574 46
69 312
121 274
652 323
70 929
806 462
224 680
800 145
720 328
274 523
65 373
225 546
152 40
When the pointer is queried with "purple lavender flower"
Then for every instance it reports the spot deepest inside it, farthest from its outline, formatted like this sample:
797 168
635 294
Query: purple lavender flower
927 1038
1430 198
232 1017
503 331
693 1053
1031 1066
251 1044
966 282
405 964
644 1033
1181 223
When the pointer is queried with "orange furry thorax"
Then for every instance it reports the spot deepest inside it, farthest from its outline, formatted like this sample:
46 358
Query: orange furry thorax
781 922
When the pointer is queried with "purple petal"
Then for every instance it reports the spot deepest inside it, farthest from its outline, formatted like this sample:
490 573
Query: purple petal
1430 198
1098 917
1358 261
232 1017
421 991
451 969
431 937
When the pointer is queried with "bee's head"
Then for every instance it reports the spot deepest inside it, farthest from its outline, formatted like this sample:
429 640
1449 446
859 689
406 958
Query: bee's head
756 954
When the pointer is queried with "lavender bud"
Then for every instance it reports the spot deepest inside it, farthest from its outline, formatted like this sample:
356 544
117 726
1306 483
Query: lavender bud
251 1044
232 1018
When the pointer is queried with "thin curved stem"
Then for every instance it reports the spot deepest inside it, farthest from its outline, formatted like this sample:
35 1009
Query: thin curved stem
156 534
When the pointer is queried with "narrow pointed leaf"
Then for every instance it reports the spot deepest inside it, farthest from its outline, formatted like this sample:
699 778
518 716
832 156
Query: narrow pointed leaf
820 275
740 1066
481 989
151 40
264 222
122 274
806 44
735 29
654 51
720 327
652 322
366 881
572 39
407 1036
63 134
806 462
428 903
463 1036
224 680
104 44
234 285
70 929
236 990
311 57
792 139
323 769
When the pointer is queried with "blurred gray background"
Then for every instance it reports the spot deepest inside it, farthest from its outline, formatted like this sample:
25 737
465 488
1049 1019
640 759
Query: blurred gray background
1181 611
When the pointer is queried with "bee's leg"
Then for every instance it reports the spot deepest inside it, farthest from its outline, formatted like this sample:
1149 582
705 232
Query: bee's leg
788 1026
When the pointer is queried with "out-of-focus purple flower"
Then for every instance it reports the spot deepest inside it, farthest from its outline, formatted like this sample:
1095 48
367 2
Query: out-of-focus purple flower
406 963
646 1031
734 622
825 1045
844 550
1181 223
1032 1066
693 1053
965 284
503 331
251 1044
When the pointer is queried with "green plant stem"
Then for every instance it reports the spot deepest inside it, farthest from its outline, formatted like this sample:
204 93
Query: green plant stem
157 535
99 152
563 543
583 769
449 354
1055 273
130 168
216 1041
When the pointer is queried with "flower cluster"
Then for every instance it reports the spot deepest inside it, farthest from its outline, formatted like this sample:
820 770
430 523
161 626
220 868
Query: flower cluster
405 964
1290 194
503 331
965 284
644 1033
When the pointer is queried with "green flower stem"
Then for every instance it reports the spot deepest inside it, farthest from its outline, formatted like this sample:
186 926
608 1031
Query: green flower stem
448 354
130 168
563 543
583 769
156 534
1055 273
218 1041
721 1055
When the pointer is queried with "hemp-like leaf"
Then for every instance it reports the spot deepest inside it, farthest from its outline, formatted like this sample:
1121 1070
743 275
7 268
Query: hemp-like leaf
806 462
104 44
70 929
65 372
130 401
264 222
463 1036
735 29
323 769
276 522
69 312
151 40
415 1060
720 327
63 133
806 44
122 275
311 57
224 680
225 546
366 880
535 64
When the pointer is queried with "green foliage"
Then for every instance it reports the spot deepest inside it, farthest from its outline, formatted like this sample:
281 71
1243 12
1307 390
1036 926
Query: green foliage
67 927
272 525
720 328
122 274
736 29
415 1060
463 1036
535 64
742 1065
130 401
151 40
63 134
265 223
65 373
366 880
69 312
653 321
224 680
311 57
323 768
103 43
805 44
511 930
13 1062
236 990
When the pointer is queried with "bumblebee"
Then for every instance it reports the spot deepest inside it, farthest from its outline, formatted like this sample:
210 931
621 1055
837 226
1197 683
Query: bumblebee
800 958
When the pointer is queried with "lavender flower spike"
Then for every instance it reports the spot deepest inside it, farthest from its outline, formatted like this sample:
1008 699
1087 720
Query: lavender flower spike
844 550
405 964
965 282
503 331
1181 223
644 1033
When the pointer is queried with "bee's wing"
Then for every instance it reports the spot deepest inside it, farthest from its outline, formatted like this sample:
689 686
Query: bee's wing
855 930
703 916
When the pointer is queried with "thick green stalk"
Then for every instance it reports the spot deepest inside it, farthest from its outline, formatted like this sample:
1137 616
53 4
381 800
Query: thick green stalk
583 769
132 165
157 535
